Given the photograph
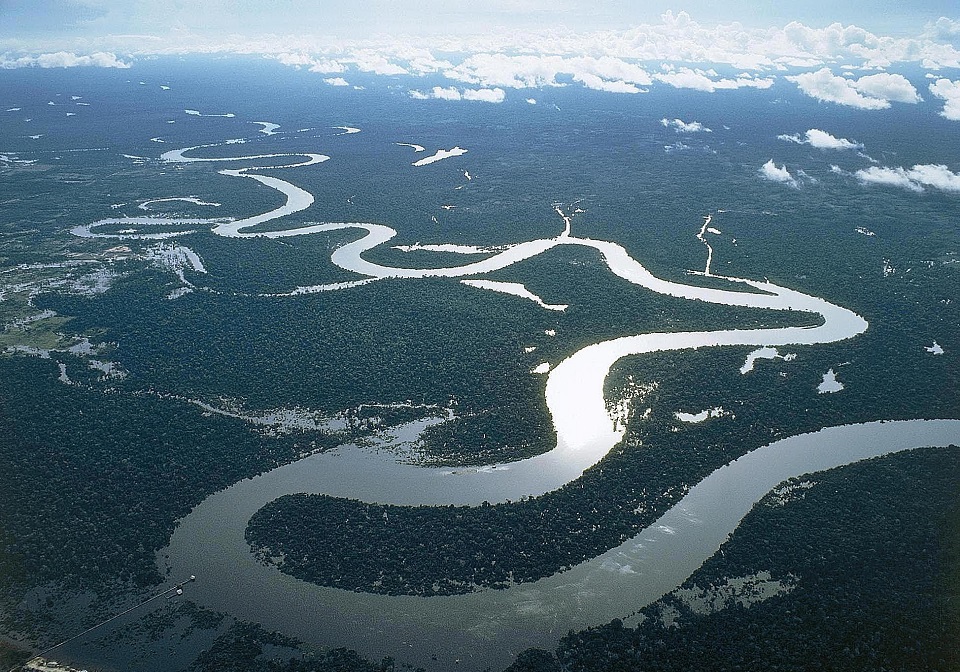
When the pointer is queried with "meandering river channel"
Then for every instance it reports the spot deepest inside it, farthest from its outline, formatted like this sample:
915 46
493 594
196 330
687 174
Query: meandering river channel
488 627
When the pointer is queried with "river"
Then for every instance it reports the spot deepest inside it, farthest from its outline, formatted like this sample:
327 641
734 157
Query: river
489 627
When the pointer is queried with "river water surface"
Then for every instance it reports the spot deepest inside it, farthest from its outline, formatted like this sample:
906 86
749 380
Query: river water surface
491 626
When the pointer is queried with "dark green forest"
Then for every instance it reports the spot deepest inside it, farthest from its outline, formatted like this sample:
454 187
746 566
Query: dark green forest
876 584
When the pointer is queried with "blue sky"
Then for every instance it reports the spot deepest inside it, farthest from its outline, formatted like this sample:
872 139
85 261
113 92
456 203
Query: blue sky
26 19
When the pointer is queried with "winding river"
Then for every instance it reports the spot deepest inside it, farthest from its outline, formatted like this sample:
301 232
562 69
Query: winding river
488 627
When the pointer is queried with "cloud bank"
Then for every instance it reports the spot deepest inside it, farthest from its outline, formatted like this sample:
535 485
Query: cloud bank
915 179
677 51
708 80
529 58
453 93
871 92
605 73
63 59
620 61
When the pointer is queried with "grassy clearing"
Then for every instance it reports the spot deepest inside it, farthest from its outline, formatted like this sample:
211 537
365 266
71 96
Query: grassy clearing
46 334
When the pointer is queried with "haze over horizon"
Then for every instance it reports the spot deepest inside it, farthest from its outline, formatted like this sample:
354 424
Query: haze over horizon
97 22
90 18
839 54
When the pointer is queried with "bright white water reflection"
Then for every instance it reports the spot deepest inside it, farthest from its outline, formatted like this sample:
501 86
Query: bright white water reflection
489 627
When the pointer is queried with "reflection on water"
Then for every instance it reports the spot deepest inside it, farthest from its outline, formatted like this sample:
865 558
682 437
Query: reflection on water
489 627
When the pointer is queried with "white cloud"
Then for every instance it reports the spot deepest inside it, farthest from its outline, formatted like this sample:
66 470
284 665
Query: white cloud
945 30
610 68
518 72
682 40
896 177
485 95
870 92
370 60
837 42
889 87
824 85
937 176
591 81
300 59
949 92
327 67
914 179
446 93
176 27
418 59
821 140
608 60
294 59
770 171
453 93
687 79
681 126
524 71
322 65
336 81
702 80
63 59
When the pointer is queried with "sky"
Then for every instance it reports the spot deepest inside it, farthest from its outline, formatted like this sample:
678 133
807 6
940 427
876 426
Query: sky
349 19
860 54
